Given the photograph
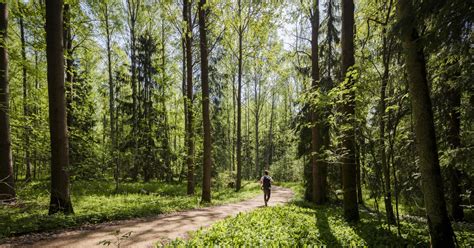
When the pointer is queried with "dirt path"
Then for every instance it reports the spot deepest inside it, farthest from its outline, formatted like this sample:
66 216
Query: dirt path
146 232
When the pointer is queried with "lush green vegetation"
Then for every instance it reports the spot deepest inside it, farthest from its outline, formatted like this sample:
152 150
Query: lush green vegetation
97 202
301 223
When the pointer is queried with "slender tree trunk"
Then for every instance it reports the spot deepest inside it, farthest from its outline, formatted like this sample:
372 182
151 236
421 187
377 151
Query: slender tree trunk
7 184
351 212
247 129
358 177
319 195
183 89
385 165
60 198
113 141
270 134
239 103
441 233
167 158
207 145
37 120
189 97
257 122
25 99
132 8
234 123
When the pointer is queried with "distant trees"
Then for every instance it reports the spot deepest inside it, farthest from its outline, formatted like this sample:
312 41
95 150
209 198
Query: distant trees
7 185
60 198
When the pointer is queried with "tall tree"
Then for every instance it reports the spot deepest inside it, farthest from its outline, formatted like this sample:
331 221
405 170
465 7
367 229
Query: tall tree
207 144
133 7
351 212
318 172
105 11
386 56
441 232
7 185
240 33
25 94
188 34
60 198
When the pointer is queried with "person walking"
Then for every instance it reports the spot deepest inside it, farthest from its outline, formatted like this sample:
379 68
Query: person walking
266 185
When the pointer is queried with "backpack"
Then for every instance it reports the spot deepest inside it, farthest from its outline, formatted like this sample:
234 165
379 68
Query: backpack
267 183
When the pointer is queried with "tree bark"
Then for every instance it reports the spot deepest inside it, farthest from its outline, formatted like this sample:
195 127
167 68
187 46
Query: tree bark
351 212
7 184
258 170
270 134
189 97
360 199
207 145
132 8
319 194
440 229
113 143
25 98
383 154
60 198
239 103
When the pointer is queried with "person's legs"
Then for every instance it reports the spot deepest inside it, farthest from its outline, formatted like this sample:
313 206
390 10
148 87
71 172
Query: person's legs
267 195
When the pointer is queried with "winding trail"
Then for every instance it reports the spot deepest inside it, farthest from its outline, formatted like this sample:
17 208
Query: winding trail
148 231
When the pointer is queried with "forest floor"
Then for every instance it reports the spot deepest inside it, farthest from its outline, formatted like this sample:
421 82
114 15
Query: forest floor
146 232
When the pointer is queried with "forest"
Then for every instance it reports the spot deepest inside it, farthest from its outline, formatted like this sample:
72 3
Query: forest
118 114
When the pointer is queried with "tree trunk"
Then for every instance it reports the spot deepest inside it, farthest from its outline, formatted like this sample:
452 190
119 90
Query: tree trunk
257 122
351 212
439 225
360 200
319 194
384 160
7 184
113 143
234 119
60 198
132 8
183 89
270 134
25 98
239 104
189 97
207 145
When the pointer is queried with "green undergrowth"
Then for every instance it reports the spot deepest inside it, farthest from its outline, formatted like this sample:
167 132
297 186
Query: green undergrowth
96 202
300 224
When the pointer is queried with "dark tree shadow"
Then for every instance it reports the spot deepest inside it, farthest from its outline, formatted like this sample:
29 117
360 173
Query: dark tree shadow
325 230
376 235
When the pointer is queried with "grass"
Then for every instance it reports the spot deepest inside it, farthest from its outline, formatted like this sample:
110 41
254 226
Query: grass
300 224
96 202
